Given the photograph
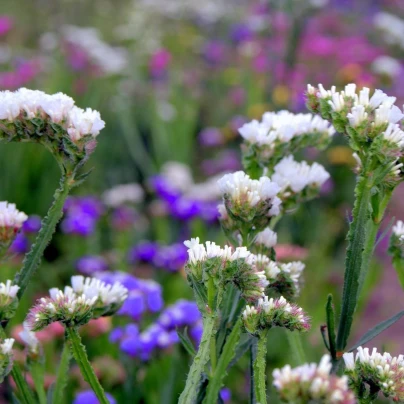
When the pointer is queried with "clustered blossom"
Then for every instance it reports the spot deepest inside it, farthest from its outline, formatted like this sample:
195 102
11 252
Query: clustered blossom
6 357
87 298
11 220
266 238
298 181
371 122
396 245
250 201
8 300
283 278
162 334
226 265
380 371
281 133
312 383
25 104
272 312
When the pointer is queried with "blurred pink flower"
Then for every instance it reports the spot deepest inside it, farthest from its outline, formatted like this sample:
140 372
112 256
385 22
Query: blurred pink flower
6 23
290 252
159 62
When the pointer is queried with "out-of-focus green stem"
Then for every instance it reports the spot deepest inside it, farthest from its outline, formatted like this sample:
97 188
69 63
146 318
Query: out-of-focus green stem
62 373
295 343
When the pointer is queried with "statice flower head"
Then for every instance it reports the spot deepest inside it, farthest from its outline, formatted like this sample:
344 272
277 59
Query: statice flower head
372 124
11 221
250 201
6 357
8 300
396 247
109 297
266 238
272 312
225 265
312 383
382 372
280 133
123 194
299 182
29 339
52 120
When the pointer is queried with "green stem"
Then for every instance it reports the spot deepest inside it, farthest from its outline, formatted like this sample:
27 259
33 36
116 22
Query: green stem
295 343
33 258
37 373
259 367
189 394
354 269
62 374
398 264
79 353
26 395
229 350
213 359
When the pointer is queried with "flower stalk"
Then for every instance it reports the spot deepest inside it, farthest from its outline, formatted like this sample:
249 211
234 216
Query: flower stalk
259 368
80 355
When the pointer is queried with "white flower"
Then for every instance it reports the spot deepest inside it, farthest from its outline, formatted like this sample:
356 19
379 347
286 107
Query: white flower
249 311
121 194
337 102
398 228
394 134
10 217
357 116
289 173
84 122
9 105
267 237
386 65
349 360
386 113
8 289
6 346
57 106
392 27
242 189
29 338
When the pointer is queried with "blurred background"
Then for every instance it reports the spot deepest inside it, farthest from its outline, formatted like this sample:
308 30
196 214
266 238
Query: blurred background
174 80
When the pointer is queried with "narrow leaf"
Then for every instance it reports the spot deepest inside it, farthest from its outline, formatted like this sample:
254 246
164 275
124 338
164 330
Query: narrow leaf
329 308
186 342
62 376
379 328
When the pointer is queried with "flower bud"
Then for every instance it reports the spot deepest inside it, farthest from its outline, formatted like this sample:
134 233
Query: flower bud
8 300
6 357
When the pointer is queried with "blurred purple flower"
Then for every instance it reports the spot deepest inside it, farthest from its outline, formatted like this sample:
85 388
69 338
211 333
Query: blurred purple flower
20 244
90 264
240 33
89 397
32 224
144 251
6 23
210 137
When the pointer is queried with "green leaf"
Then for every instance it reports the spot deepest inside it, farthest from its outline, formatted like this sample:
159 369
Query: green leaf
186 342
379 328
62 376
331 326
244 345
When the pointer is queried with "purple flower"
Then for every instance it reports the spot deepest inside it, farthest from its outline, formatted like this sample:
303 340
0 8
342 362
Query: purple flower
164 189
171 258
90 264
196 332
240 33
20 244
89 397
32 224
124 217
6 23
134 305
144 251
180 314
214 52
225 394
210 137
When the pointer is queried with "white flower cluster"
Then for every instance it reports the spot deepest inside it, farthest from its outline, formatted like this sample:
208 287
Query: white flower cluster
312 382
290 174
29 338
282 127
8 290
106 294
10 217
6 346
242 190
392 27
386 65
124 193
384 370
268 238
109 59
398 229
58 107
198 253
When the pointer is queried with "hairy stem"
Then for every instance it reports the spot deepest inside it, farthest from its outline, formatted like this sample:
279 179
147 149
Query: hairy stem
190 391
33 258
355 271
259 367
37 372
229 350
61 378
79 353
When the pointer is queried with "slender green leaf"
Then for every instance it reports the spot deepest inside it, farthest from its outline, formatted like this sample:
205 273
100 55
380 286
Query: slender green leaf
331 326
62 375
244 345
186 342
379 328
